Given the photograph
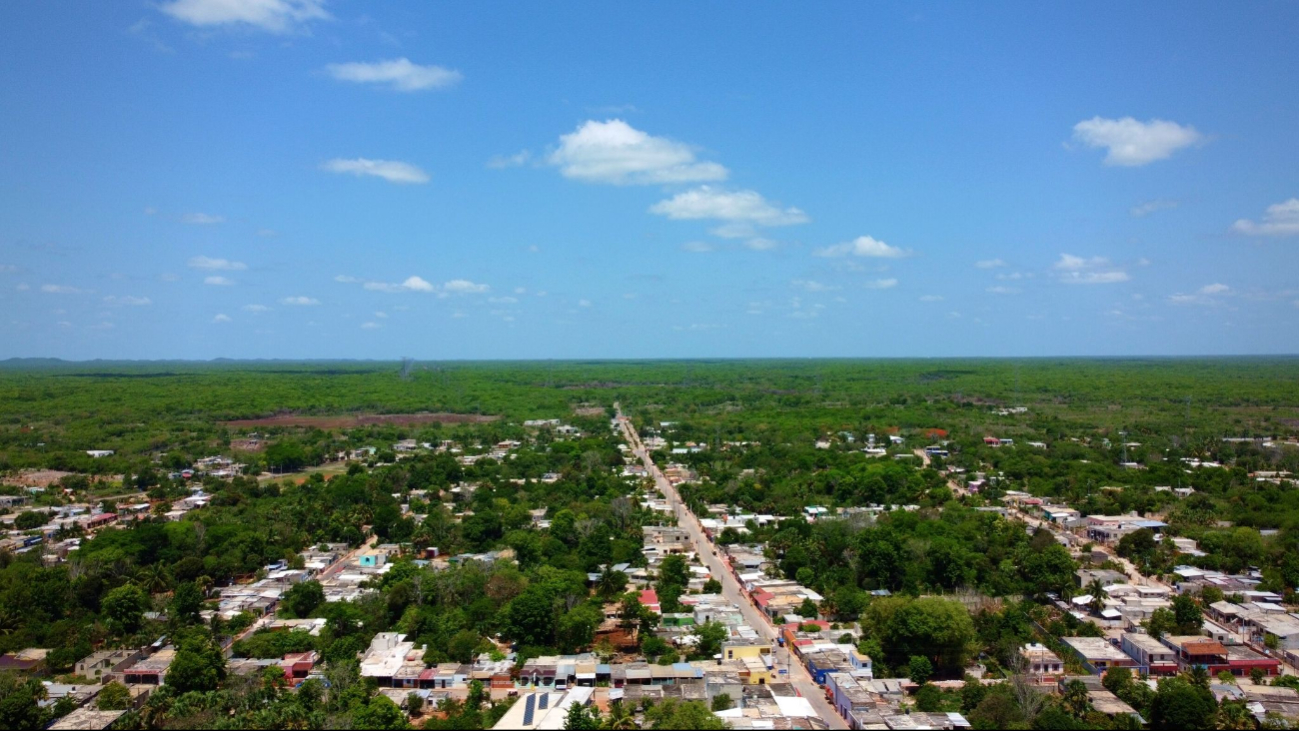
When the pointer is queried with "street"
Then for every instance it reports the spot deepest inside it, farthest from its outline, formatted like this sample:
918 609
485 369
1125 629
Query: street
731 589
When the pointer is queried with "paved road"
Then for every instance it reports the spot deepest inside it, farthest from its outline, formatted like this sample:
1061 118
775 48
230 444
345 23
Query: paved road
731 589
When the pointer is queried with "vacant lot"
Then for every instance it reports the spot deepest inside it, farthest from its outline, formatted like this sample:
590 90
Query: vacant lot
347 421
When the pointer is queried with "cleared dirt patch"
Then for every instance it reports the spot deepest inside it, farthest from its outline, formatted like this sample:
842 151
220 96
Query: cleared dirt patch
348 421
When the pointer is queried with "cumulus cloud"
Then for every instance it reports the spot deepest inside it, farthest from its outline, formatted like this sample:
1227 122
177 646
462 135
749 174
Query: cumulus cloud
393 171
813 286
219 281
256 308
1280 219
518 159
274 16
60 289
990 263
127 301
370 326
740 206
1002 290
398 74
616 153
760 244
1096 270
1203 296
865 246
300 301
202 219
1131 143
1145 209
418 284
464 286
221 318
223 265
882 284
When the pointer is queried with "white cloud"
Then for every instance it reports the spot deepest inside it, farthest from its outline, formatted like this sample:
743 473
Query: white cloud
256 308
932 298
222 265
127 301
219 281
1149 207
584 303
417 284
1203 296
697 247
221 318
518 159
1002 290
370 326
60 289
743 206
464 286
275 16
399 74
503 300
1281 219
1131 143
813 286
882 284
202 219
1096 270
300 301
760 244
616 153
990 263
864 246
393 171
734 230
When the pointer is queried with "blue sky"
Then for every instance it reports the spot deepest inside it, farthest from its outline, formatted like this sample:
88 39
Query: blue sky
312 179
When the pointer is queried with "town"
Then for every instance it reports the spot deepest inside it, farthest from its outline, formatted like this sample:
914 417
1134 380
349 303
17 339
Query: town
649 601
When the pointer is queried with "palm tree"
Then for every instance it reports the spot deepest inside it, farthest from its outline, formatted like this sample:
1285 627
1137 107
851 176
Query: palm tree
1233 715
153 579
619 718
1098 595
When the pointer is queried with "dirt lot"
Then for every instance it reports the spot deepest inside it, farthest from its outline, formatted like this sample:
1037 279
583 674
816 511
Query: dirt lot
348 421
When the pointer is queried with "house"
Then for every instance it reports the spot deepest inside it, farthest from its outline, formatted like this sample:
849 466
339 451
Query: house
150 670
1239 660
387 654
1041 665
1153 657
650 600
544 709
31 660
98 664
1098 655
87 718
